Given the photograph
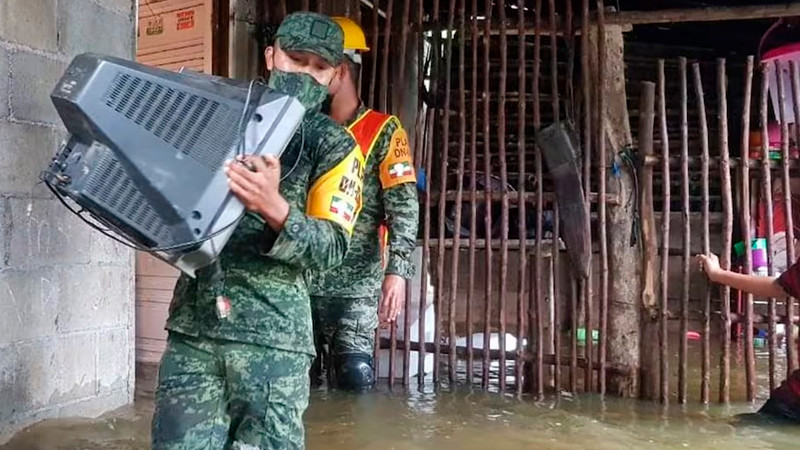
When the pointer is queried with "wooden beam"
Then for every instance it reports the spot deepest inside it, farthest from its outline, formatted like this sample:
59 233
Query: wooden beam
709 14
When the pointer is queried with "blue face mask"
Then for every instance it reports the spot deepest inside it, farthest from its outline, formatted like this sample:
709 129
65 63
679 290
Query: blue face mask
307 90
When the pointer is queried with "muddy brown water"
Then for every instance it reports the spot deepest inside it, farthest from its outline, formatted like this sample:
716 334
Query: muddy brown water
472 419
456 420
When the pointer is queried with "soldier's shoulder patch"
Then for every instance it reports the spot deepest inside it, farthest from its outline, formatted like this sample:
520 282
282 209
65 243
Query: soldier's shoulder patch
397 166
336 195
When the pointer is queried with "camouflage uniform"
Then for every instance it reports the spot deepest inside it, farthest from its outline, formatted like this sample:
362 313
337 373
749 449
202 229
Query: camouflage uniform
241 381
345 299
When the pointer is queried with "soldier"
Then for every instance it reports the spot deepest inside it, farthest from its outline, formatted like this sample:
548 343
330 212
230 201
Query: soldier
235 371
344 300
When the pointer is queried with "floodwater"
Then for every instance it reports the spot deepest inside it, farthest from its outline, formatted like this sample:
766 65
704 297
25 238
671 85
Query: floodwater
456 420
473 419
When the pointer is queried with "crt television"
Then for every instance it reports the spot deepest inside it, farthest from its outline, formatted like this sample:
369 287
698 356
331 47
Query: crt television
147 146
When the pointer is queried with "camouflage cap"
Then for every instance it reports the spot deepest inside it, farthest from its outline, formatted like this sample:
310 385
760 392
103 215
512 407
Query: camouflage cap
313 33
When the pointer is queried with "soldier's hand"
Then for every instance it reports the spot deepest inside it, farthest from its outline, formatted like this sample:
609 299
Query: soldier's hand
393 297
255 181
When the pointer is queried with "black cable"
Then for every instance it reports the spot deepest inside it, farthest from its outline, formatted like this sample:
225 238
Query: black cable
133 245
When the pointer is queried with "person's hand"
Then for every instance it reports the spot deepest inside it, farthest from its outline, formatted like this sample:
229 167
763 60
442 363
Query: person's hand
709 264
255 181
393 297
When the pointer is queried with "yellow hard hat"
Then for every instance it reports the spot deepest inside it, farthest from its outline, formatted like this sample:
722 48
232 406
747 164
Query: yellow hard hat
354 39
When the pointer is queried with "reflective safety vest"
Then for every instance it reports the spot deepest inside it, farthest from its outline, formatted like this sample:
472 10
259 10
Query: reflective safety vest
366 129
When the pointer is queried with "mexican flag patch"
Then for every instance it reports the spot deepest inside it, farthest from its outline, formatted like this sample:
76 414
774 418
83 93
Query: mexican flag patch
400 169
342 208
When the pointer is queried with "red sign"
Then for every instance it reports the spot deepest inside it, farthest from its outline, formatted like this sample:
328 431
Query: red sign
185 20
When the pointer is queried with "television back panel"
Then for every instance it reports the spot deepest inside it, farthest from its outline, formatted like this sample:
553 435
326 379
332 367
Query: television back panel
173 132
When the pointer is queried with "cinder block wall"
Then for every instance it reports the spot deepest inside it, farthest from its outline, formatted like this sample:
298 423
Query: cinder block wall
66 293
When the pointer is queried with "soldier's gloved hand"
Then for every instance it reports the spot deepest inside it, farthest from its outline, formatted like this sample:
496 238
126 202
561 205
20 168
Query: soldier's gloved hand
393 297
255 181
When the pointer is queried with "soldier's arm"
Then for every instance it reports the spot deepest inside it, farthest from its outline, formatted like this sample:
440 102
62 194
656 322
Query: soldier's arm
317 232
399 196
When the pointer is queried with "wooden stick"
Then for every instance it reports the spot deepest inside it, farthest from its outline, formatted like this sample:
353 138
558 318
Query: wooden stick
601 150
701 109
727 230
587 299
684 349
750 359
767 193
570 34
663 340
521 224
407 304
387 39
574 285
473 187
501 133
709 14
374 73
462 123
538 336
787 199
650 385
487 170
443 183
423 144
554 325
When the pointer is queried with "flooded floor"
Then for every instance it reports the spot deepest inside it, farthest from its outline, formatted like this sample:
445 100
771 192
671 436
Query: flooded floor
459 420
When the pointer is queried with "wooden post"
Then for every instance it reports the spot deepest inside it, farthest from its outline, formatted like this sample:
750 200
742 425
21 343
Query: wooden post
650 362
623 256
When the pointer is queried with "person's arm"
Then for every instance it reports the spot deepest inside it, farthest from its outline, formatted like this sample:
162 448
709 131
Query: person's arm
401 206
313 227
760 286
400 203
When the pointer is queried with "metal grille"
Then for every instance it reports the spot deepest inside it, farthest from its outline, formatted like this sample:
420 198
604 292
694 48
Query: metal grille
202 129
110 186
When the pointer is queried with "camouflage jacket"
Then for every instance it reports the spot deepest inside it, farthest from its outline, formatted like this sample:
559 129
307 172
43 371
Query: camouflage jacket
261 271
384 198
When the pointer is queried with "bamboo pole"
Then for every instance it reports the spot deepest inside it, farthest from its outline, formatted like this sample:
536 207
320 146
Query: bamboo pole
501 132
555 252
462 124
684 348
573 372
663 339
570 36
787 199
407 304
767 193
522 226
538 336
750 359
487 169
587 300
708 14
601 150
421 160
443 184
727 230
473 202
650 358
701 108
374 72
430 142
387 39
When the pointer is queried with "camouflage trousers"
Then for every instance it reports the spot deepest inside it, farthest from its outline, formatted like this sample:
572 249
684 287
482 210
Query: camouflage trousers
216 394
345 325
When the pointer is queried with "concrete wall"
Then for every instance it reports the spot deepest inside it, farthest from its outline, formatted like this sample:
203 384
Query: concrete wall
66 293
